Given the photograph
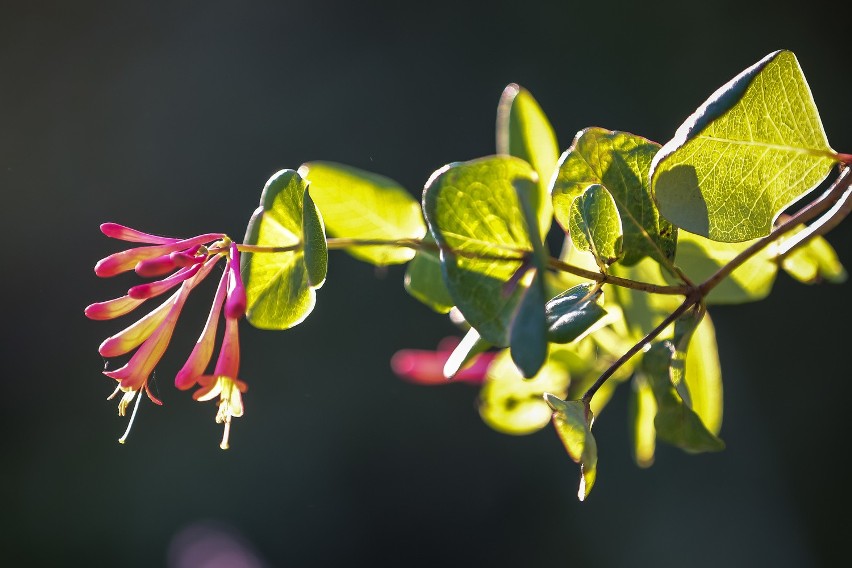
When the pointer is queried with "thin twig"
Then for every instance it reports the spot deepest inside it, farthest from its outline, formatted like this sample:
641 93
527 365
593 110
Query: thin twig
814 209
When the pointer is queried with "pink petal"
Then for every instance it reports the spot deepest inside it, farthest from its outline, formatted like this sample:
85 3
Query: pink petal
127 259
135 373
164 264
153 289
427 367
228 363
203 350
116 231
132 337
112 308
235 305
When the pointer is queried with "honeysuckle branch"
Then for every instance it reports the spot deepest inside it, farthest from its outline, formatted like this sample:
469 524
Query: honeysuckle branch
832 196
421 244
691 300
828 221
835 203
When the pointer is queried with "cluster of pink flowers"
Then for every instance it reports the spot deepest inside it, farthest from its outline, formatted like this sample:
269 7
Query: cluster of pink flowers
181 263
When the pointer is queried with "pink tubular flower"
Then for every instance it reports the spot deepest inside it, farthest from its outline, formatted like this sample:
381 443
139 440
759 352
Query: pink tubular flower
190 261
427 367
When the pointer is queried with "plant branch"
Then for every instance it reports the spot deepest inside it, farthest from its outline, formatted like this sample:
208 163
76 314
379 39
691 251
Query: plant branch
814 209
601 278
691 299
829 220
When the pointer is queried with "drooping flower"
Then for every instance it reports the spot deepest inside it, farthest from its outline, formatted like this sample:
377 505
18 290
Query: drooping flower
224 381
427 367
188 261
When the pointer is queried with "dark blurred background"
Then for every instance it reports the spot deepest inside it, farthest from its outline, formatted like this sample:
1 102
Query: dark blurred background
170 116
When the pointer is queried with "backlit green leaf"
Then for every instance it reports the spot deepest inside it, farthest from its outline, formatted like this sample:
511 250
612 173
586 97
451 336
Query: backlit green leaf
424 280
278 291
704 376
316 247
643 409
676 422
815 262
511 404
699 258
573 422
364 205
527 337
755 147
619 161
572 313
523 131
595 226
473 211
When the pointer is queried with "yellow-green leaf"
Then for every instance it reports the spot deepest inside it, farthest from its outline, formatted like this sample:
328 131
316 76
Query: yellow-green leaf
815 262
363 205
619 161
316 247
755 147
523 131
279 294
573 422
511 404
595 226
699 258
473 212
643 409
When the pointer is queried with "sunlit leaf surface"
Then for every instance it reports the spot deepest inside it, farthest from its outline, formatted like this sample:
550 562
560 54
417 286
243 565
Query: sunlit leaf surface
619 161
523 131
279 294
751 150
363 205
573 422
472 209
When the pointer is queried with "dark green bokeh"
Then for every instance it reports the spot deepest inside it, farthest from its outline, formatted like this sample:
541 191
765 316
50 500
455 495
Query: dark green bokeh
171 118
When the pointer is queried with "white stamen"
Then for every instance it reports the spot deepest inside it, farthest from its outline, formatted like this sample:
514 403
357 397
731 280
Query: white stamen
132 417
224 444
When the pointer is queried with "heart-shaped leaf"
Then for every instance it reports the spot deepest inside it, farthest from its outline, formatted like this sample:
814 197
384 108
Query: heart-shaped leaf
619 161
595 226
754 148
364 205
473 212
279 293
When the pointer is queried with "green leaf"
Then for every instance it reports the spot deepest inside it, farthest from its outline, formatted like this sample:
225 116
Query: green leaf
573 422
362 205
511 404
699 258
424 280
643 410
595 226
676 422
619 161
572 313
815 262
523 131
528 340
472 210
754 148
316 247
278 291
704 376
